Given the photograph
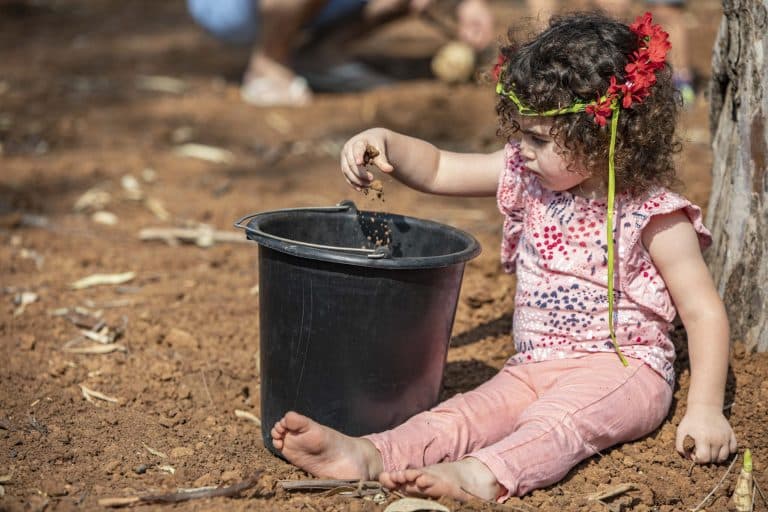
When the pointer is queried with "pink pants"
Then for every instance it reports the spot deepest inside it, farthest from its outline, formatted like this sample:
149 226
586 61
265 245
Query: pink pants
530 424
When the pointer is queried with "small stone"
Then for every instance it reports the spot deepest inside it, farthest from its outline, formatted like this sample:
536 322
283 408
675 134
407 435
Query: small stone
140 469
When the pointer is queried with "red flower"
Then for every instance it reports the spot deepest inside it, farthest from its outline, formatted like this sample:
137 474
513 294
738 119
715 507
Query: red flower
614 87
658 46
643 25
601 110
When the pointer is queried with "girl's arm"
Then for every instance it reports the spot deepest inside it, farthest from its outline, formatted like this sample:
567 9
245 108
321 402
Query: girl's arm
421 165
674 248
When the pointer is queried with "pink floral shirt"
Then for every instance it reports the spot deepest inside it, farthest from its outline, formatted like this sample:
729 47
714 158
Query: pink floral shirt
556 243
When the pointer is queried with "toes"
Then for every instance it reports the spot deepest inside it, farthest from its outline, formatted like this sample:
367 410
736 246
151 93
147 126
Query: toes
401 477
295 421
411 475
385 479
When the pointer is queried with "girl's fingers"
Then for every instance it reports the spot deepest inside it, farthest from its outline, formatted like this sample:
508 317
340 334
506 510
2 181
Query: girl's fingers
349 175
382 164
358 149
702 455
725 452
355 175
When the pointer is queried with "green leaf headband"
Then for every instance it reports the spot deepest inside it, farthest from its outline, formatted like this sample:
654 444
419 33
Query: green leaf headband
640 76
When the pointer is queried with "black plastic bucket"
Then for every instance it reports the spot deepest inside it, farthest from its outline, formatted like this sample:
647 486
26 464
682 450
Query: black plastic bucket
356 311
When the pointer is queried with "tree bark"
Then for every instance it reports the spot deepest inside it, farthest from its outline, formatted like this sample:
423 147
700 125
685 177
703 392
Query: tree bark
738 205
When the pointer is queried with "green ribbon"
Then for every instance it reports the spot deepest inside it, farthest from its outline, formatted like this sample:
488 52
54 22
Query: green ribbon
575 108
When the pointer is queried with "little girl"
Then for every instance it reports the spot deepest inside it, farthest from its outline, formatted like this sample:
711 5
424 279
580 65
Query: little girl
594 107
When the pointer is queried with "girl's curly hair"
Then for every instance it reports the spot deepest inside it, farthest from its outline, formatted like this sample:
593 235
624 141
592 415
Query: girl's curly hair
574 59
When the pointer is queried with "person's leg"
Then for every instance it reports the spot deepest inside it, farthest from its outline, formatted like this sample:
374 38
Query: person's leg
584 406
450 430
233 21
594 404
269 79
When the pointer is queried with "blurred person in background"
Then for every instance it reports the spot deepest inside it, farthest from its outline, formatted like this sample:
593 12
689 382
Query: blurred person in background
669 13
289 58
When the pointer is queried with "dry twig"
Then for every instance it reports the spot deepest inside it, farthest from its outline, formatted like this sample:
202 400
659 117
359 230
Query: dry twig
611 492
184 495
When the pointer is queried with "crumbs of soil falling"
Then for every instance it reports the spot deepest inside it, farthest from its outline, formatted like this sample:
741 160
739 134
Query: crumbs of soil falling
377 229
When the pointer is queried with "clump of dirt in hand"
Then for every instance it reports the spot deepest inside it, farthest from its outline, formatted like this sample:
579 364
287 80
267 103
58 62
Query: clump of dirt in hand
370 153
376 186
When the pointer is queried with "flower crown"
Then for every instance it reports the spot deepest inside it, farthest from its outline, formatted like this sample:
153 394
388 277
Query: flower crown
640 76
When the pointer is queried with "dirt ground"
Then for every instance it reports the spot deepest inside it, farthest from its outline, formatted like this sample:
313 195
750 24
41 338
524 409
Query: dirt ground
78 114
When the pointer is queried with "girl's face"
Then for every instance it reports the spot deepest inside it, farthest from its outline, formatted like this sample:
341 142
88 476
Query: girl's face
544 157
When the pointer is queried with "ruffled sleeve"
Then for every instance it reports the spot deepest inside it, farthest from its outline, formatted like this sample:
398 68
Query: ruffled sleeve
510 196
641 280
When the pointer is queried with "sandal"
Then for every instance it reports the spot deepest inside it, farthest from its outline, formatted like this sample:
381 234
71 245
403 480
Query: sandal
269 92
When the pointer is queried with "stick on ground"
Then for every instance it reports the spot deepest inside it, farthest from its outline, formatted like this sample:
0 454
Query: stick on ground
189 494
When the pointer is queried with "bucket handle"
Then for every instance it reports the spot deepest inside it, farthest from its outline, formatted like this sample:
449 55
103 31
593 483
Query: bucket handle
377 253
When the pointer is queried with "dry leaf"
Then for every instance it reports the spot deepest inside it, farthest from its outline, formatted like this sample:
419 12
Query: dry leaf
99 279
207 153
154 452
104 217
156 207
158 83
96 349
90 394
413 504
93 199
245 415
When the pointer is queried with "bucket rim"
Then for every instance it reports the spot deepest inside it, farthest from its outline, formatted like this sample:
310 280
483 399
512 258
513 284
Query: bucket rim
370 259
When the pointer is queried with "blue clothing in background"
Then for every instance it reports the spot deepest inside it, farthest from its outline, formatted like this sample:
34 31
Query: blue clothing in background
238 21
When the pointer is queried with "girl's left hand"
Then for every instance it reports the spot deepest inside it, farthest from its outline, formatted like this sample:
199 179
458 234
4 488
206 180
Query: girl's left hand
710 430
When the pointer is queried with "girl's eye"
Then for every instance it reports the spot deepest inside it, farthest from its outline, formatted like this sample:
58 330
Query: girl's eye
538 140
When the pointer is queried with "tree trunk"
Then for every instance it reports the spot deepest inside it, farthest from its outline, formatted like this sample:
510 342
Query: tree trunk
738 206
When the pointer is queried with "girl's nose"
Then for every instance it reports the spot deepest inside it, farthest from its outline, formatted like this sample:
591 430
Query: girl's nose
526 152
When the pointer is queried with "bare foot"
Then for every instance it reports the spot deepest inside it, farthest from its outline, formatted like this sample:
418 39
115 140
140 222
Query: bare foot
325 452
462 480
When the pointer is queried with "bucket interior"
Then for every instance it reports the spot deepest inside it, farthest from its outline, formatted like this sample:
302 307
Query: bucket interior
408 238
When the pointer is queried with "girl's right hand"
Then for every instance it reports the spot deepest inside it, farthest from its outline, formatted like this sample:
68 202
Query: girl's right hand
353 157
